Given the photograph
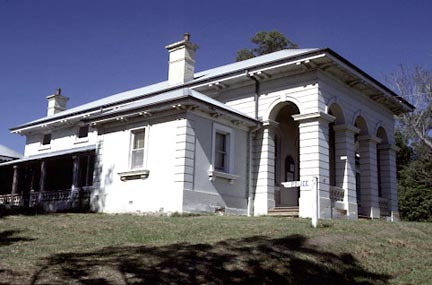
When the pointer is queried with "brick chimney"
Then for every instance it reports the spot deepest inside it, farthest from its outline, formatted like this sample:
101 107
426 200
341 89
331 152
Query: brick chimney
56 103
181 61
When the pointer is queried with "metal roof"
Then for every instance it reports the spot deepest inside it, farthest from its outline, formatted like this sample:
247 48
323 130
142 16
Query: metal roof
169 97
127 97
7 152
50 154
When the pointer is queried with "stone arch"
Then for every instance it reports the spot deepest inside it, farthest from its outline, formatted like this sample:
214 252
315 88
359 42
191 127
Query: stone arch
286 138
274 107
360 123
382 167
336 111
381 133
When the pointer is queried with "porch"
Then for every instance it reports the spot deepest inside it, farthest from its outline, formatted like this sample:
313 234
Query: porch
53 201
56 181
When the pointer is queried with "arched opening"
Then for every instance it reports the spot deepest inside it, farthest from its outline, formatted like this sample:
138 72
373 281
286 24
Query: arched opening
359 123
336 112
383 172
287 162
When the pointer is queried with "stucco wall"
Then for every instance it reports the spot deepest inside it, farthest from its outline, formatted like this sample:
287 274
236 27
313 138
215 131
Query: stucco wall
61 139
156 193
207 194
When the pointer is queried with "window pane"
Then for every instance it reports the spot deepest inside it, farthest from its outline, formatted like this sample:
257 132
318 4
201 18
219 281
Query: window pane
138 140
137 159
46 139
220 161
83 132
220 151
220 142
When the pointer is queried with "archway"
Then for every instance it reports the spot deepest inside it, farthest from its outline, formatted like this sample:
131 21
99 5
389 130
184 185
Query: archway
383 172
361 124
336 112
287 162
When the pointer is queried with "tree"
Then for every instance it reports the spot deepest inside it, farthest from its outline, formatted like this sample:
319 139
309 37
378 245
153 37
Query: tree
266 42
415 86
414 137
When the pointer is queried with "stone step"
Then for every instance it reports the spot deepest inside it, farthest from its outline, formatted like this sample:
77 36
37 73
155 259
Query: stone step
284 212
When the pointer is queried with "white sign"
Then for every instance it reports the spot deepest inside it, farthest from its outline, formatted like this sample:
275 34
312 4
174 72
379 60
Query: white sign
293 184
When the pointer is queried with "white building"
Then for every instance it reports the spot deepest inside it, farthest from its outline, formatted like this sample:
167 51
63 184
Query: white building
223 139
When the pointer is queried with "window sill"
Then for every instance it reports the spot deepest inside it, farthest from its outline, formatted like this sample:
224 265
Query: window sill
45 147
213 174
81 140
134 174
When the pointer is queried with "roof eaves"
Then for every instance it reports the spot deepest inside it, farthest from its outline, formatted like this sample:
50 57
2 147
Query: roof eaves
378 85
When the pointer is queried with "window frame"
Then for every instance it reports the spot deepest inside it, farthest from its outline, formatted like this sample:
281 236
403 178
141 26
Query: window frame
229 148
144 148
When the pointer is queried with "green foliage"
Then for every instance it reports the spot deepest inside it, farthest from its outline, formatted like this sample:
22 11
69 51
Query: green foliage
415 179
266 42
415 203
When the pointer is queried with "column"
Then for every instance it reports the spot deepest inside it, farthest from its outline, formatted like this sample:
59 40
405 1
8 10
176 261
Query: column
369 176
314 162
42 181
389 178
264 169
345 166
75 172
76 193
15 179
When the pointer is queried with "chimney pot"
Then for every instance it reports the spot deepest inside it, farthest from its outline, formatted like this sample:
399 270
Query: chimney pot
186 37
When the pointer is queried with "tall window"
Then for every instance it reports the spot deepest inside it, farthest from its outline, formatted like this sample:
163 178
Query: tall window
46 139
221 154
137 151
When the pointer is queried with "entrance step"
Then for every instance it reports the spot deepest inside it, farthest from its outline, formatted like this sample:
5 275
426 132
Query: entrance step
284 212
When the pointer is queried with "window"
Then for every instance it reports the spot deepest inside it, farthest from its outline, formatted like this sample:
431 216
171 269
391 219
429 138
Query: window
221 154
222 148
83 132
46 139
137 150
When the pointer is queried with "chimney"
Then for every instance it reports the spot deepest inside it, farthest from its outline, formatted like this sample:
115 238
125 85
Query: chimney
181 61
56 103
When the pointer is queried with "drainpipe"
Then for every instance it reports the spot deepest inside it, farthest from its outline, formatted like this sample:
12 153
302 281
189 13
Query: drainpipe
251 193
257 91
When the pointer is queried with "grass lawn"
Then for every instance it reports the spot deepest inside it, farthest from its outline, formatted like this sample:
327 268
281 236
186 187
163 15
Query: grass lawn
127 249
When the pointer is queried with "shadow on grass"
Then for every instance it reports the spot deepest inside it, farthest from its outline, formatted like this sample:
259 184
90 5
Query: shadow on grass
254 260
10 237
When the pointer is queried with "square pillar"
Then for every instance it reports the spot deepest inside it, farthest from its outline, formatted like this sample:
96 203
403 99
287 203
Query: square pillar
15 179
264 165
345 166
389 178
369 176
184 160
75 172
314 162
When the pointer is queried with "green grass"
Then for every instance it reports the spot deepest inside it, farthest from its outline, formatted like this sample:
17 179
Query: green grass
127 249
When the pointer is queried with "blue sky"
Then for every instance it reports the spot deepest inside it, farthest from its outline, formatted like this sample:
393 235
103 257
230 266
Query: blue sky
96 48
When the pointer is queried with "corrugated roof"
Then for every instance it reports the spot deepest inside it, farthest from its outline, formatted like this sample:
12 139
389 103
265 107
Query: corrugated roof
171 96
51 154
164 86
7 152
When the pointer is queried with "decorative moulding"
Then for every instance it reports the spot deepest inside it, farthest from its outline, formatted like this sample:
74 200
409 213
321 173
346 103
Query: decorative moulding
134 174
